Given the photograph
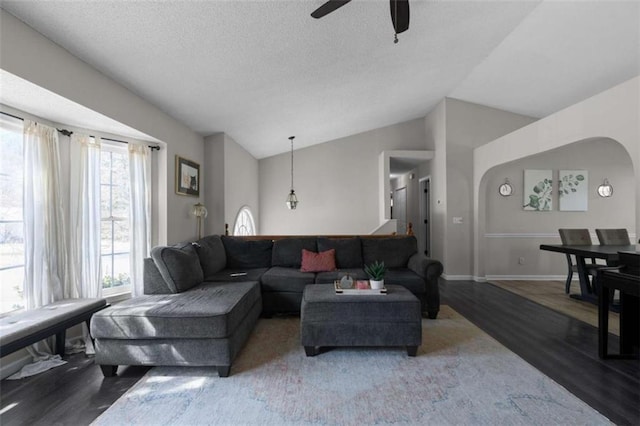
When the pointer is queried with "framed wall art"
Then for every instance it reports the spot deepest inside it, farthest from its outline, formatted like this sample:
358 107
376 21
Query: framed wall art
537 192
187 177
573 190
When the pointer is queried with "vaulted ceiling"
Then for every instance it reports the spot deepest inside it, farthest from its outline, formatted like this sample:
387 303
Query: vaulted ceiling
263 70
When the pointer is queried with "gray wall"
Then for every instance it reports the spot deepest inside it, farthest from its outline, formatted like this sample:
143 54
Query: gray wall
413 206
232 182
511 232
336 182
30 56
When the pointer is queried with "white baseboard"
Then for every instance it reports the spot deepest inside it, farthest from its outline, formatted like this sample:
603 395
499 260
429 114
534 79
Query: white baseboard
527 278
457 277
13 367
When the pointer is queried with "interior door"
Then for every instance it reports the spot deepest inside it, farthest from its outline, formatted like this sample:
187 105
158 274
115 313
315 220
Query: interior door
399 211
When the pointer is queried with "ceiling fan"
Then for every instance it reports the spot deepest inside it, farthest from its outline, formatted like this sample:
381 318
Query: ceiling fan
399 13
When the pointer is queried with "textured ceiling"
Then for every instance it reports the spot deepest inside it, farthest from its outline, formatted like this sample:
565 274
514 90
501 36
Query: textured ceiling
263 70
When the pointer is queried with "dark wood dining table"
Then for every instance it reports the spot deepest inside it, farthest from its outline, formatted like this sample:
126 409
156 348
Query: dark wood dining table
608 253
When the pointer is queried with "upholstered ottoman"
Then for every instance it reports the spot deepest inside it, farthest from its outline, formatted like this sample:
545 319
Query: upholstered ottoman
330 319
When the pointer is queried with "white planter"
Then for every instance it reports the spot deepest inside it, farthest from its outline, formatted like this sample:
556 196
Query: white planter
376 285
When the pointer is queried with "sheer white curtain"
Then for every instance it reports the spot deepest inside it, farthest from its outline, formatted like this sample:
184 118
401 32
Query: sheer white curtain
139 212
44 232
84 201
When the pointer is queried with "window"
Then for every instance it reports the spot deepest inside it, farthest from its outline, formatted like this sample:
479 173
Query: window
244 223
11 222
114 206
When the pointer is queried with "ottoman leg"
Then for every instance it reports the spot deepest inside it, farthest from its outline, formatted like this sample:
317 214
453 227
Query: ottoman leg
412 350
224 370
310 350
109 370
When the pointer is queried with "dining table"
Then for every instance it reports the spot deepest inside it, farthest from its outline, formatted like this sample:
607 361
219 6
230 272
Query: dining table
609 253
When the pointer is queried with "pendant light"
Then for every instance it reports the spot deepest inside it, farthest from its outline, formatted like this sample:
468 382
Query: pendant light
292 200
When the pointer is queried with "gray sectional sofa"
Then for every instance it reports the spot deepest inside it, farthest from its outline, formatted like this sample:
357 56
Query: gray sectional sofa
203 299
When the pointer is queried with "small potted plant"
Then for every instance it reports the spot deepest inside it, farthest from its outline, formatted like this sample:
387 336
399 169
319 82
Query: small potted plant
376 271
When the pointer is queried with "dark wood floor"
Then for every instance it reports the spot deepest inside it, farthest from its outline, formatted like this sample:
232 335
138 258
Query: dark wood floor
563 348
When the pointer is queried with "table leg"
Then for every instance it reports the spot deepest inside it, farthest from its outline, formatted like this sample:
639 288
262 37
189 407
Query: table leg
603 321
629 324
586 292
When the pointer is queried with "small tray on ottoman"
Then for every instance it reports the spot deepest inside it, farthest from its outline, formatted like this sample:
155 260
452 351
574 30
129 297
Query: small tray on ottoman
359 291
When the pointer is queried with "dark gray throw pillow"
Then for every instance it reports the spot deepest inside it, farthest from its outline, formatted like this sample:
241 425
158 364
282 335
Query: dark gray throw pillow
348 251
247 254
179 266
213 257
394 252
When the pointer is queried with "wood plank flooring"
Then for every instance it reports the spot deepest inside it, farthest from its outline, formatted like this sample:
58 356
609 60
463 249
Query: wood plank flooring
560 346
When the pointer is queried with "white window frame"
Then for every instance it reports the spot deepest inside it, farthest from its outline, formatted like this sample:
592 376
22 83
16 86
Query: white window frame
244 223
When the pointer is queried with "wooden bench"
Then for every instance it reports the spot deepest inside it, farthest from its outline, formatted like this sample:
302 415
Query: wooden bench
20 330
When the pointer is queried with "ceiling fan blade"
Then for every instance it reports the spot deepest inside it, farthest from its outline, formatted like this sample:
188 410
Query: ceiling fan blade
400 15
328 7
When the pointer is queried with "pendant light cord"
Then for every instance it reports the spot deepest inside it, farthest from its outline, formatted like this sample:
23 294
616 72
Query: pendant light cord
291 139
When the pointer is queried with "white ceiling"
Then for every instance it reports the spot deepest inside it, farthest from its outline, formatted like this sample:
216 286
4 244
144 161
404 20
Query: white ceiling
261 71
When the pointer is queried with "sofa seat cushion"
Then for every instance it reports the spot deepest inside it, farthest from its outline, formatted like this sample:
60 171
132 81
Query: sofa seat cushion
406 278
286 280
330 277
237 275
211 310
348 251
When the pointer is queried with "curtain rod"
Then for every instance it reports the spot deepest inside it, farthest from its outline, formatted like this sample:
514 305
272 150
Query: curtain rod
69 133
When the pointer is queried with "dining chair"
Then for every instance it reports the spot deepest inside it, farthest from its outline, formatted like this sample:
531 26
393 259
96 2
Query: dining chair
577 237
613 237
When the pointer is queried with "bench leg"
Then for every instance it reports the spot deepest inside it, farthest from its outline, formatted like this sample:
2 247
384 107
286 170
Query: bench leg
412 350
109 370
224 370
60 337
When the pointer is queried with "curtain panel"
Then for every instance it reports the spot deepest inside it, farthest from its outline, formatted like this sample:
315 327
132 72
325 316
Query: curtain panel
139 213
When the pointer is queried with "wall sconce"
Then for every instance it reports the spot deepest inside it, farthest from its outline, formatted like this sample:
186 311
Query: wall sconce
505 189
200 212
605 190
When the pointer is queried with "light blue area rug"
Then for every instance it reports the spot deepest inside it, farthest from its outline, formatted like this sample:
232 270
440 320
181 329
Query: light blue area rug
461 376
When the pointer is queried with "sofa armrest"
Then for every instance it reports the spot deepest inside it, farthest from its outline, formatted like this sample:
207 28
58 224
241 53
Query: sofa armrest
153 281
429 270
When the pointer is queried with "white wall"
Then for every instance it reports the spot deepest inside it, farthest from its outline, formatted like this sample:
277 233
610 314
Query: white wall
336 182
512 232
215 183
30 56
240 182
612 114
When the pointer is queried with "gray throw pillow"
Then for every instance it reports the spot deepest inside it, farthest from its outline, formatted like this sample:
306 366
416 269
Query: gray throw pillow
179 266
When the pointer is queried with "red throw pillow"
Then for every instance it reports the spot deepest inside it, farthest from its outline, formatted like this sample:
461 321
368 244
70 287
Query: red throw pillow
324 261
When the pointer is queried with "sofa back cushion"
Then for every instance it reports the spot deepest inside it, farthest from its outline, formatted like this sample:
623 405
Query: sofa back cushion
287 252
348 251
179 265
394 252
213 257
247 254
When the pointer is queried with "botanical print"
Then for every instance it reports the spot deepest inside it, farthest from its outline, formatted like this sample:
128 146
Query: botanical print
573 190
538 190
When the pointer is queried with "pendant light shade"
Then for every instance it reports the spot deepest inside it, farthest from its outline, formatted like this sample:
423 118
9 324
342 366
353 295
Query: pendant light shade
605 190
292 199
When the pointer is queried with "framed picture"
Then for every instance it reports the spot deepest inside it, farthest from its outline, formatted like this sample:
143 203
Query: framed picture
573 190
537 192
187 177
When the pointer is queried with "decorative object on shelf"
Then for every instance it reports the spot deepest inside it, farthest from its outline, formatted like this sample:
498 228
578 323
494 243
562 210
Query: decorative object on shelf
200 212
376 271
362 288
292 199
573 190
187 177
346 281
605 190
538 190
505 189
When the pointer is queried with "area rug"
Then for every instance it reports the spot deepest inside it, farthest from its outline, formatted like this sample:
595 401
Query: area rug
461 376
